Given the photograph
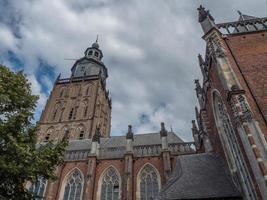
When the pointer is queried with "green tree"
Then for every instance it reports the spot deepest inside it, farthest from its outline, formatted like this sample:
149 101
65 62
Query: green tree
21 158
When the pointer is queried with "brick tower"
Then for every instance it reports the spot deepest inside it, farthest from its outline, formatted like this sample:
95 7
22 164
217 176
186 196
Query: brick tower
79 104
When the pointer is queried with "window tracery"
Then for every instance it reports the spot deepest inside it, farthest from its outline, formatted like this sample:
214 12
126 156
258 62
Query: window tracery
110 185
149 183
74 186
39 188
231 148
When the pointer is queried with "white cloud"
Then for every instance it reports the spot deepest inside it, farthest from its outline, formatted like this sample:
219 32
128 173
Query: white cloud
150 49
8 41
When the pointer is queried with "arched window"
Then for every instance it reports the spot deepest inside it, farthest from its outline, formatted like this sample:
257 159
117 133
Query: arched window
148 183
80 132
56 108
50 131
74 186
87 90
62 92
231 147
61 113
71 113
110 185
66 132
38 189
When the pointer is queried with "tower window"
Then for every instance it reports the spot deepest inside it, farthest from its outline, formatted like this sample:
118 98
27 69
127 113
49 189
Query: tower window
61 114
47 138
75 112
81 136
96 54
71 113
61 92
90 53
55 114
85 111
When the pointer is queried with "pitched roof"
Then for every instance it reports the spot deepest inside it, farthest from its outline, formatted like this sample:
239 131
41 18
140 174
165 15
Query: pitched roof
117 141
199 176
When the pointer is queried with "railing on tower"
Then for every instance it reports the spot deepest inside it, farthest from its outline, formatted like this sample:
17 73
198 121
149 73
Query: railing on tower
77 79
250 25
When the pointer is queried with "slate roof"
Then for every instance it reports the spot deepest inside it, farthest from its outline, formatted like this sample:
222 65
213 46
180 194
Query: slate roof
199 176
117 141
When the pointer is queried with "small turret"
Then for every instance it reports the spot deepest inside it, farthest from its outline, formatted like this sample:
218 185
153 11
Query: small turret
205 19
129 134
94 51
163 134
96 141
129 139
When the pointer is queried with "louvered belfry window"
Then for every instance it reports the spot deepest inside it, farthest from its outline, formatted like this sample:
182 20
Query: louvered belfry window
110 185
73 188
149 187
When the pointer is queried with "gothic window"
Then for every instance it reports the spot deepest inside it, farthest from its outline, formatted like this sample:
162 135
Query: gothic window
148 183
71 113
231 147
88 90
81 136
38 189
85 112
75 112
61 92
74 186
61 113
54 114
66 131
47 137
110 187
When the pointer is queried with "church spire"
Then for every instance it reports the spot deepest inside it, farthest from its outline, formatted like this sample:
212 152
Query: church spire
95 44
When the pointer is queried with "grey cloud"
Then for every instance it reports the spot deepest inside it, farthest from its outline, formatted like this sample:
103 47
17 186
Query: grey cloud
150 49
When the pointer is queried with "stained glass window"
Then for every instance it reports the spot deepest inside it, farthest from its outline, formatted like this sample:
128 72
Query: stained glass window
39 188
110 185
73 188
149 183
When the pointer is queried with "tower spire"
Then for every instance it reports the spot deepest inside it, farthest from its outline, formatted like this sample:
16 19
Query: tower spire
96 38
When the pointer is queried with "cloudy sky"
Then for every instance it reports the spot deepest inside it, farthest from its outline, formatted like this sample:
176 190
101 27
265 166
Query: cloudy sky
150 48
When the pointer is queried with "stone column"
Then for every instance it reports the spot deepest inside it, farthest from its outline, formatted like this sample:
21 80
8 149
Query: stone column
89 182
128 167
166 154
90 178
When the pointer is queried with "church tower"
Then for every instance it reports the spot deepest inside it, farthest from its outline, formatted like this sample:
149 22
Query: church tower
79 104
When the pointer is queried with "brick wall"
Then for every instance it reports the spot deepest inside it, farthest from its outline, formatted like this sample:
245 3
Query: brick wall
249 61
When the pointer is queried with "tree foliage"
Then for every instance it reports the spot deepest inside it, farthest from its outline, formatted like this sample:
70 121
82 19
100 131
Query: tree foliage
22 160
